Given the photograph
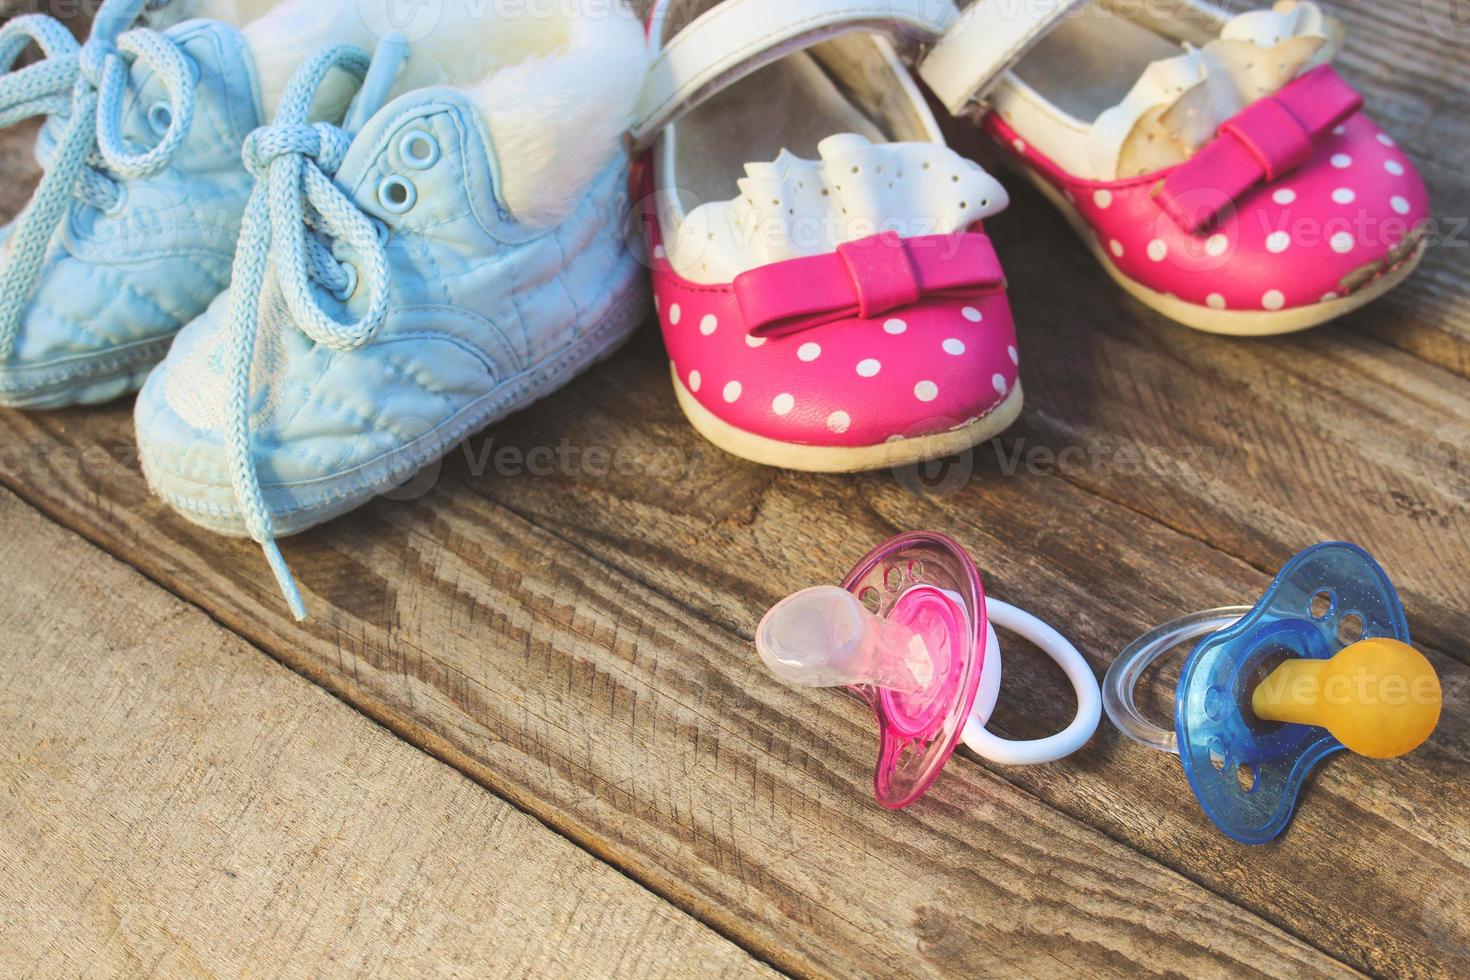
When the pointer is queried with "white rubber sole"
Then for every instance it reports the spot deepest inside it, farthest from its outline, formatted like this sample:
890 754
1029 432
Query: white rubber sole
89 380
1236 323
845 459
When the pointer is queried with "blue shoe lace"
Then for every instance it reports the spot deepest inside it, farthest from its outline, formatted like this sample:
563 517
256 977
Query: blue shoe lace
81 89
294 209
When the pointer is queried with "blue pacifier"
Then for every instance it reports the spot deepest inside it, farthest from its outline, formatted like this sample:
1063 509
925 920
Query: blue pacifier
1321 663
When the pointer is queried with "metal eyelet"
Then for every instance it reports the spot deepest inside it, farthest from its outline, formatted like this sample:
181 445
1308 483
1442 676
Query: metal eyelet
418 149
160 118
397 194
345 293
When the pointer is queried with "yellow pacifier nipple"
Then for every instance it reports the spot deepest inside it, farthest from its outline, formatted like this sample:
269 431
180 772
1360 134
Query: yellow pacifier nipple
1379 697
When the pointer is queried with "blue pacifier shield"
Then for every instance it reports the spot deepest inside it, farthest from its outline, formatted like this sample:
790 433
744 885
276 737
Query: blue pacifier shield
1247 772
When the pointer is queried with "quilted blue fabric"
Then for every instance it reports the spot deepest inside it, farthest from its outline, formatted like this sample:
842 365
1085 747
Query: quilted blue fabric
484 315
117 284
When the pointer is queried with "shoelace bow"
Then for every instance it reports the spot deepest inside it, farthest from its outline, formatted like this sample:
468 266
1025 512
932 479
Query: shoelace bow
81 89
293 206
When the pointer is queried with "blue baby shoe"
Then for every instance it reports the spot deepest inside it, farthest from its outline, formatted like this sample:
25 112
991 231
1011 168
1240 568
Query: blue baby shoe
438 262
131 232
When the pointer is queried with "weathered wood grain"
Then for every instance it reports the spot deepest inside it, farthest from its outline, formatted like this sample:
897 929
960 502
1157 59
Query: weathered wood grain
654 738
1259 447
1099 569
176 803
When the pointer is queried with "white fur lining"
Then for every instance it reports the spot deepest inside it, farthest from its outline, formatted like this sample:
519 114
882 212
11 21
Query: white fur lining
554 80
558 118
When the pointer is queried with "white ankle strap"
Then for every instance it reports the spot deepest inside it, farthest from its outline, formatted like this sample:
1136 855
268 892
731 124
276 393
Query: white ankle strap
989 37
736 37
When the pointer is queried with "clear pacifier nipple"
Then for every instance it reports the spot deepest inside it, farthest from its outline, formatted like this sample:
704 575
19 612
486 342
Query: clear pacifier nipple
909 633
905 635
823 637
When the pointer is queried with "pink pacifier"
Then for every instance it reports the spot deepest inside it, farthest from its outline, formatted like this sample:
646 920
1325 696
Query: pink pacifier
910 634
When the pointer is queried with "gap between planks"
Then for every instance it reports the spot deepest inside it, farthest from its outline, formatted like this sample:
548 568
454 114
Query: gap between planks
192 806
997 771
435 743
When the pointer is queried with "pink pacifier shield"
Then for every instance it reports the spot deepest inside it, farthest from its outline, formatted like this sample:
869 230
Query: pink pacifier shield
924 582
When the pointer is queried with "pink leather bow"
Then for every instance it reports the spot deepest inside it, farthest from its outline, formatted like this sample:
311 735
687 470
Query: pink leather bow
866 278
1260 143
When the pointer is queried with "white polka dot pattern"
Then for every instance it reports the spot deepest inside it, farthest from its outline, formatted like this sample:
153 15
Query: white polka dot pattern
1300 236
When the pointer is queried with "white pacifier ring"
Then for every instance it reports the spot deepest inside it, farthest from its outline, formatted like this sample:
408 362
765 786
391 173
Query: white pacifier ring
910 633
1138 656
1009 752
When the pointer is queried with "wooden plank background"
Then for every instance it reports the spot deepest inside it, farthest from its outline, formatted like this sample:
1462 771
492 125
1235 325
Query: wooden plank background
177 803
579 644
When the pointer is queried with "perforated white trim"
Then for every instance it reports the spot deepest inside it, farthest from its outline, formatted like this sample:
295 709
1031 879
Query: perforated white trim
792 207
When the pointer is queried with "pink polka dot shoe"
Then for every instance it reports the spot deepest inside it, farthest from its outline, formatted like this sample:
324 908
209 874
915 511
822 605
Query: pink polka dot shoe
1220 169
834 305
